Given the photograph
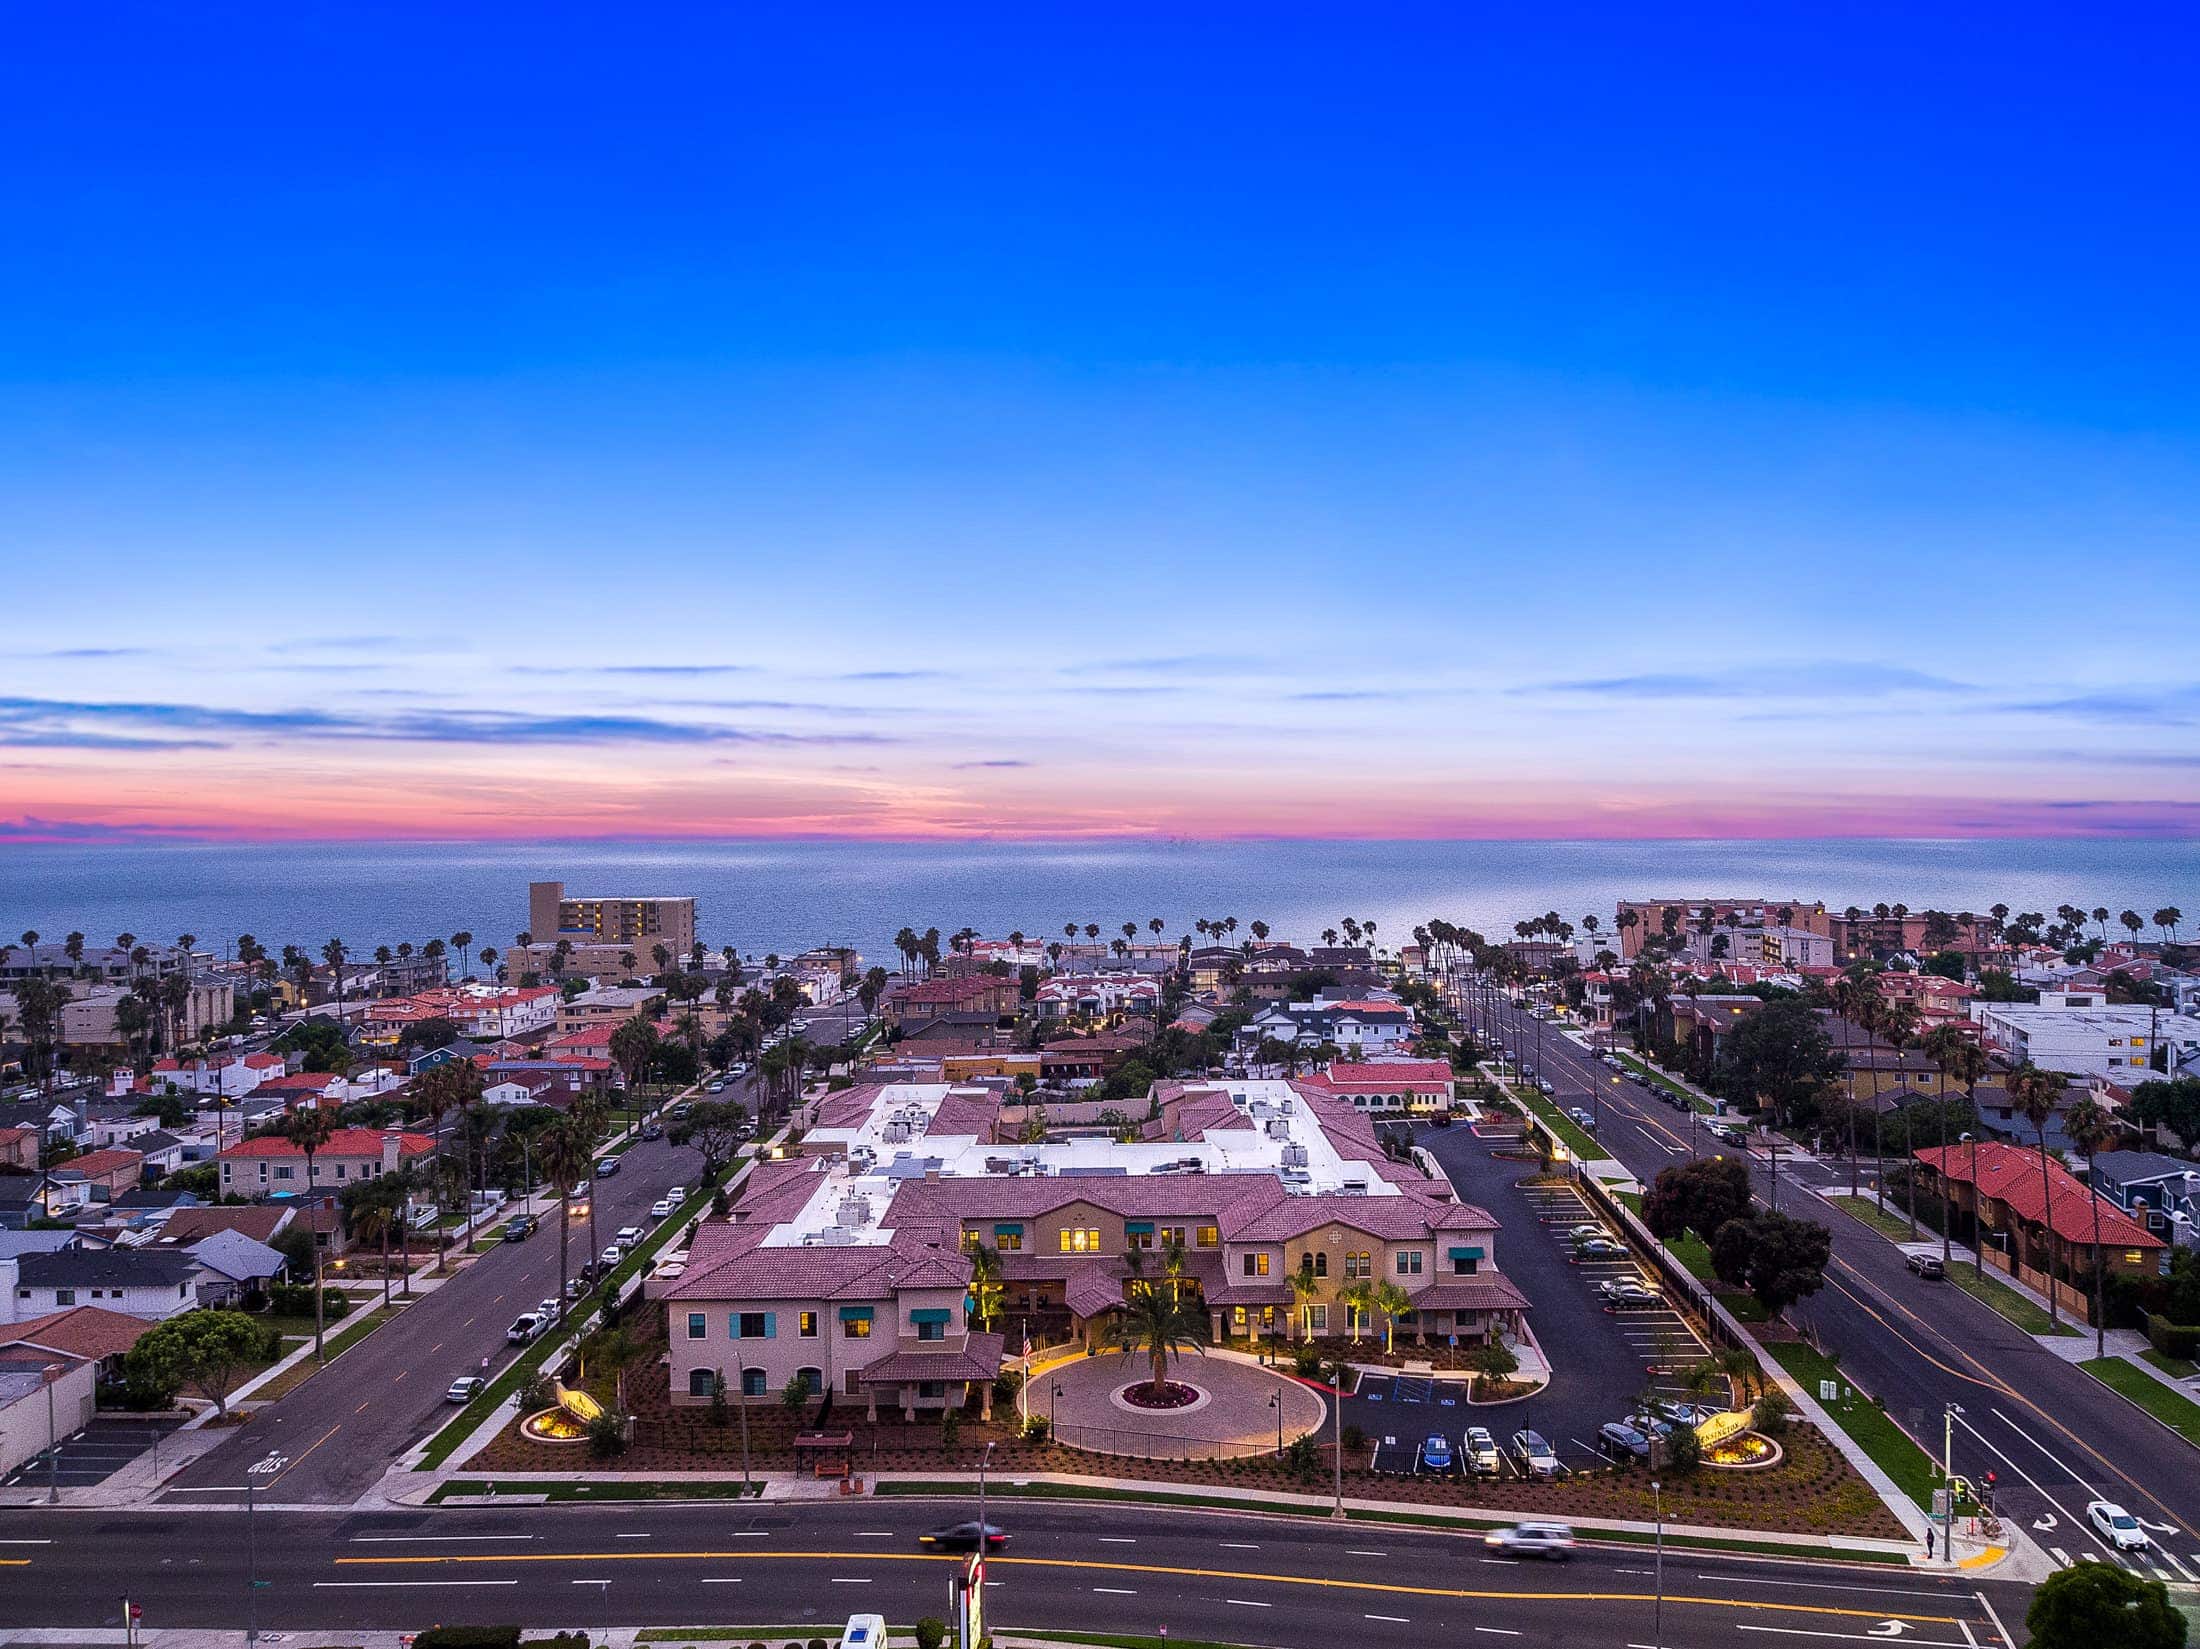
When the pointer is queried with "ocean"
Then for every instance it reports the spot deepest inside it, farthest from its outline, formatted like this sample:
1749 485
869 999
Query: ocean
783 896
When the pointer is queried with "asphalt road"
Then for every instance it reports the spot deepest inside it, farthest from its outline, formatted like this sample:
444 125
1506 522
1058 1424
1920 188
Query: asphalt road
341 1429
1285 1582
2055 1436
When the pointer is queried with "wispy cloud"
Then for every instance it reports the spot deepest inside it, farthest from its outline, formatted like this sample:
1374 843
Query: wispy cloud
892 675
2175 706
52 721
30 828
64 654
673 670
964 767
1173 664
1810 679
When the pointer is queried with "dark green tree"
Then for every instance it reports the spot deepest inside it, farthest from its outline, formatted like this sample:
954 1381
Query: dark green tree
1699 1196
1778 1259
1778 1059
2099 1606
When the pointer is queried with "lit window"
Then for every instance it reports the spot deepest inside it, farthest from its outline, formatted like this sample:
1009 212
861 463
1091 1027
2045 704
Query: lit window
1256 1265
1208 1236
808 1325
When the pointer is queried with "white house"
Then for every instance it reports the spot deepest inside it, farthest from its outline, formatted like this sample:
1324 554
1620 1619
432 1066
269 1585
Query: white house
2076 1031
138 1282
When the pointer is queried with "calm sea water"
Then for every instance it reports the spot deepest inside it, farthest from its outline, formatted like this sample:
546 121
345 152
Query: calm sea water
765 896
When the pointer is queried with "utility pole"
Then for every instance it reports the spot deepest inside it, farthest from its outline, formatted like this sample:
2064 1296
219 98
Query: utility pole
742 1394
52 1372
1948 1477
1336 1408
1657 1628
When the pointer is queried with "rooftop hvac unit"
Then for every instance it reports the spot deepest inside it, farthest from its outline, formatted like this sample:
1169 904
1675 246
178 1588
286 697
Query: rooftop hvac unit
1279 1129
855 1212
832 1236
1353 1188
895 1133
1294 1156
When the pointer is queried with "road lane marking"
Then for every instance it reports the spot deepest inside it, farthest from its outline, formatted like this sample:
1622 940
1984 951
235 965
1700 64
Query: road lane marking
1354 1551
633 1537
721 1580
851 1580
1815 1585
1116 1591
1240 1546
1395 1620
1498 1631
421 1539
362 1408
874 1534
1320 1582
301 1460
355 1585
25 1543
1117 1540
1854 1637
1247 1603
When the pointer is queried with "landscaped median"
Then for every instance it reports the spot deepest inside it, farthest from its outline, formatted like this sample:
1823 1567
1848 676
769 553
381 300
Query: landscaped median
2181 1414
1656 1077
1866 1424
523 1367
607 1488
1570 1133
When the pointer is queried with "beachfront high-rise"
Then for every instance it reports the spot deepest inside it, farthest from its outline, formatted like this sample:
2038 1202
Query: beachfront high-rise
639 923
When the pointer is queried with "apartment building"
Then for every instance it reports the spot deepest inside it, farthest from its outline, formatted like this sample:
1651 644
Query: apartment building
636 922
271 1166
1640 919
848 1266
2077 1032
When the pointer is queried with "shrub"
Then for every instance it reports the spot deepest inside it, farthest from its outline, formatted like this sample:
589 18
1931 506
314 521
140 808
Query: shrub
468 1637
1354 1438
2172 1339
296 1300
1035 1428
816 1643
931 1632
560 1640
1772 1411
950 1428
1683 1450
607 1435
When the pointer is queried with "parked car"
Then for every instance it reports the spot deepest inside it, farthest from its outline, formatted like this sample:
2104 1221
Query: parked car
465 1389
1534 1456
1436 1453
1582 1233
1546 1085
1626 1291
519 1228
628 1236
1600 1248
1927 1266
653 1129
1583 1117
610 1256
524 1328
716 1085
1623 1442
963 1537
677 1195
606 1167
549 1311
1552 1540
1728 1133
1480 1450
1653 1425
2117 1526
661 1208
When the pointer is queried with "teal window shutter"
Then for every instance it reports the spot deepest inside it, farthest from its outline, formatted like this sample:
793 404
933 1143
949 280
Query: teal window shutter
1138 1228
770 1326
1008 1230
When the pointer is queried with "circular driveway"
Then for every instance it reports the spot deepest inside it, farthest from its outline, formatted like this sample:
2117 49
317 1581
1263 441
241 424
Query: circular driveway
1236 1413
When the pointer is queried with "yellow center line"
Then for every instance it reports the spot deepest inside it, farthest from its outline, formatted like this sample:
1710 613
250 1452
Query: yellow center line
1385 1587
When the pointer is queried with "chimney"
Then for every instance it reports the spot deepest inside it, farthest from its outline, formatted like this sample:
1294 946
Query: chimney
391 1139
9 1269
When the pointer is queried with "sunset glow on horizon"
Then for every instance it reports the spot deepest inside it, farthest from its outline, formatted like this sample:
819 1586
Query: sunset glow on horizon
1023 429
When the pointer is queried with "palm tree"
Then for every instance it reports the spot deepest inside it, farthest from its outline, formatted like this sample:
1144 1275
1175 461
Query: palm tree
2167 919
568 1158
985 1283
591 1114
1954 1055
1358 1299
1852 993
1304 1286
2033 1093
309 1129
1897 1024
1392 1301
2090 1127
1159 1327
333 954
463 942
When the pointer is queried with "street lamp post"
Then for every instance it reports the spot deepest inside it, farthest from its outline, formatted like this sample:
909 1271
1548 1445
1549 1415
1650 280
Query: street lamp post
1336 1504
1275 1401
984 1460
1948 1478
1054 1410
267 1467
1657 1628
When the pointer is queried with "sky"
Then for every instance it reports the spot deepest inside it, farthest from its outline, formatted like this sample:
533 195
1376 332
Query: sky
1387 421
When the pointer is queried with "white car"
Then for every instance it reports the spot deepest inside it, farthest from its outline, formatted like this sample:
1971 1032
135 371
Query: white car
2116 1526
465 1389
661 1208
676 1196
1551 1540
611 1256
548 1312
628 1236
1480 1451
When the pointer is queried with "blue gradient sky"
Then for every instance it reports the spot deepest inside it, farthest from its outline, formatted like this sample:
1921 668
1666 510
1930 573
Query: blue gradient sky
1384 421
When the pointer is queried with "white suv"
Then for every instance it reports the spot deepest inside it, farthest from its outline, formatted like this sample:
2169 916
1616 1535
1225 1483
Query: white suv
1551 1540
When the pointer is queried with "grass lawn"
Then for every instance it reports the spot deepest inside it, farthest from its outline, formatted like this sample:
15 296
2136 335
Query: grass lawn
2180 1414
335 1342
1866 1423
1885 1221
609 1490
2177 1368
1575 1138
1659 1079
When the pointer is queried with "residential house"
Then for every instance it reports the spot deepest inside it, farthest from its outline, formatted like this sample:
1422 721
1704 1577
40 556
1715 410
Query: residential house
236 1267
19 1148
2161 1190
91 1332
1640 919
271 1166
138 1282
1394 1086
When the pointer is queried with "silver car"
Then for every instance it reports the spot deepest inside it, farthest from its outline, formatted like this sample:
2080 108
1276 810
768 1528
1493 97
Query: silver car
1534 1456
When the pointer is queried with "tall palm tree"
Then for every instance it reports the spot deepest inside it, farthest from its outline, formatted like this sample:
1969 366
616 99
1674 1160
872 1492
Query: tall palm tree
2032 1094
1304 1286
2090 1127
1896 1023
1159 1327
1954 1055
1358 1299
463 942
333 953
592 1113
567 1160
309 1128
1850 993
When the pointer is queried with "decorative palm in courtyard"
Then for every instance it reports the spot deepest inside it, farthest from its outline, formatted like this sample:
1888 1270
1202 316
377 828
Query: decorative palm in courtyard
1154 1323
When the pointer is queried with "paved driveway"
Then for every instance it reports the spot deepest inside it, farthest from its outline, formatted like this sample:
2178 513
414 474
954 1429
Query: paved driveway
1601 1361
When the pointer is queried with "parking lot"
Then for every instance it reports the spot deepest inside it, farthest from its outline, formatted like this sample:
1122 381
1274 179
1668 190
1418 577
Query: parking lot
1605 1355
92 1456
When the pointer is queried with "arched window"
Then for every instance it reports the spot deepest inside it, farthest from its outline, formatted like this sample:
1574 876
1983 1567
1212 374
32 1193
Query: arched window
700 1381
813 1379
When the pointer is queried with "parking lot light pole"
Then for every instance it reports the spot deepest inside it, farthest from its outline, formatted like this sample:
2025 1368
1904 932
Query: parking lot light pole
1948 1478
1336 1507
52 1371
1657 1618
1275 1401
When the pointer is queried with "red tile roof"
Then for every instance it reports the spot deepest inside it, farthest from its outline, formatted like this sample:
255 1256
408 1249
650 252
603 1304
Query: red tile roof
2010 1174
93 1163
345 1142
87 1331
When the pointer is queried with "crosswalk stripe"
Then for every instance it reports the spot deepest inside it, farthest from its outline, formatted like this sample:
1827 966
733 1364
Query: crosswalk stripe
2059 1555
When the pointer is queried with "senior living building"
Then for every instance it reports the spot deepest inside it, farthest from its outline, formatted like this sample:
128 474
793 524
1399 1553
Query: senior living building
850 1267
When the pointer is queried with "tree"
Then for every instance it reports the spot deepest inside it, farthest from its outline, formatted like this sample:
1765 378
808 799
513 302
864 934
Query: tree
1699 1196
568 1159
634 1047
451 1086
2174 1104
713 1127
2090 1127
205 1350
986 1287
1159 1326
309 1129
2100 1606
1778 1259
1393 1302
1304 1286
1494 1361
1779 1059
1358 1300
2033 1093
427 1035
